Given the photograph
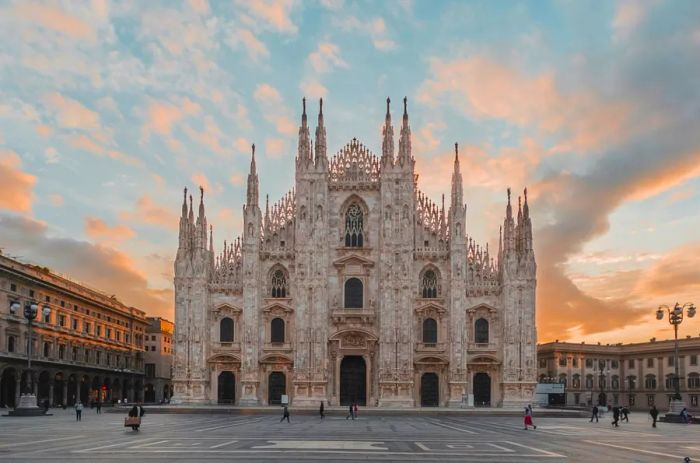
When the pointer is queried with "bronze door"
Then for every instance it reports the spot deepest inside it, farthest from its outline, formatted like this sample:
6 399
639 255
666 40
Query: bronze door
429 390
277 385
227 388
353 380
482 390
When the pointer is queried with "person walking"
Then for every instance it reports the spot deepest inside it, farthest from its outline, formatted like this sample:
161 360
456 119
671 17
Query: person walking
285 414
654 414
78 411
594 413
625 414
616 417
98 405
320 410
134 413
354 410
684 415
528 417
351 413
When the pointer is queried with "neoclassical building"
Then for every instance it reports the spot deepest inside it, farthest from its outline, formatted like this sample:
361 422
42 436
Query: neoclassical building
355 287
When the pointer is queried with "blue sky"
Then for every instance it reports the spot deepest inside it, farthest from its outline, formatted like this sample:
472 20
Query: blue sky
108 109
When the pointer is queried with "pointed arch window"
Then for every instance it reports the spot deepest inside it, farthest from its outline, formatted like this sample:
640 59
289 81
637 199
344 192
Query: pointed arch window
226 330
278 284
429 331
481 331
354 230
277 331
429 285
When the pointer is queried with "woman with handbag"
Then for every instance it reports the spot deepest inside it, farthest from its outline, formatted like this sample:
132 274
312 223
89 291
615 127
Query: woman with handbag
133 420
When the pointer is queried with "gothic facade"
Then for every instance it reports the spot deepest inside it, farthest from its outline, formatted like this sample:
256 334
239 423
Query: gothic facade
355 287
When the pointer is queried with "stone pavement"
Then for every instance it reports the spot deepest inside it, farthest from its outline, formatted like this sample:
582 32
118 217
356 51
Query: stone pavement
424 437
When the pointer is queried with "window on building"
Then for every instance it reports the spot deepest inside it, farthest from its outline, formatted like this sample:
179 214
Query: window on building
650 363
589 381
353 293
693 401
574 362
650 399
601 365
277 330
693 360
61 320
86 327
650 382
278 283
693 381
47 318
354 229
13 287
631 400
150 370
61 352
632 382
31 293
86 355
153 348
543 363
74 357
109 359
98 330
47 349
602 383
670 361
589 363
577 398
75 324
630 363
47 299
669 381
576 382
614 364
119 335
429 331
109 333
98 357
562 379
615 382
429 284
10 344
63 303
562 361
481 331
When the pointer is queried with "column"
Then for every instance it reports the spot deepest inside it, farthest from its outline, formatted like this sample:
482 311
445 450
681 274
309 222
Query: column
50 392
18 387
65 390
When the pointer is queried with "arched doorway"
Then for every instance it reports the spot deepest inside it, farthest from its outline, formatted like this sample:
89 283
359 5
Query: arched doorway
276 386
85 390
149 393
8 388
429 390
482 390
58 388
353 380
72 390
44 386
226 387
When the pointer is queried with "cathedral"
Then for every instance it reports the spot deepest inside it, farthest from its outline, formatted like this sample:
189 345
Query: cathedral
355 287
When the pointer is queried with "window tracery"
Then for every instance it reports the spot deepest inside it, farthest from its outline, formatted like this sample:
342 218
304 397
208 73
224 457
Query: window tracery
354 226
278 284
429 285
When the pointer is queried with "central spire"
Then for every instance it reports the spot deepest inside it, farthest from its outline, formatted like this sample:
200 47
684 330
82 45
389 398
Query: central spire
321 160
388 138
304 151
404 157
252 192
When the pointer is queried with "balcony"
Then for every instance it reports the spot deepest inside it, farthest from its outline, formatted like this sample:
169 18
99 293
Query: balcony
227 347
353 316
277 347
434 347
482 347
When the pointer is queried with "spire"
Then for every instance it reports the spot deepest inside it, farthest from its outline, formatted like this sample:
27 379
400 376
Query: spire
252 192
520 211
404 157
457 197
387 138
191 213
526 208
201 202
184 204
321 160
183 233
304 150
211 239
509 237
509 209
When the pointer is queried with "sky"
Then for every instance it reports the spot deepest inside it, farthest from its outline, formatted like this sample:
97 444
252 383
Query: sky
109 109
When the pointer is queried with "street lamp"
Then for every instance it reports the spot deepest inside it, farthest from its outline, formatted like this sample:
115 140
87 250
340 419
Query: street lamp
31 309
675 318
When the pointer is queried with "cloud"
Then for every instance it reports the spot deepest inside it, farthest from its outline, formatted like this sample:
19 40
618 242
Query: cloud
326 57
275 148
374 28
273 14
255 48
201 180
162 116
73 114
51 155
85 143
210 136
488 89
629 15
313 89
273 108
43 130
17 186
676 276
57 20
200 6
98 229
100 267
149 212
237 180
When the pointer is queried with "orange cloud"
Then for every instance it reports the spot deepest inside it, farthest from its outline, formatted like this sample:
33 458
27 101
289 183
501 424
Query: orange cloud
162 116
275 147
210 136
274 13
676 276
200 179
273 108
72 114
43 130
57 20
488 89
313 88
149 212
17 194
98 229
255 48
326 57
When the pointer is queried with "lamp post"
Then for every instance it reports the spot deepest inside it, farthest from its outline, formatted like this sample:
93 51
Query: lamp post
27 403
675 318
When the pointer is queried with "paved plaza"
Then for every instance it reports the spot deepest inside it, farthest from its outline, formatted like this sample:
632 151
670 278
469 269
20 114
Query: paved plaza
196 437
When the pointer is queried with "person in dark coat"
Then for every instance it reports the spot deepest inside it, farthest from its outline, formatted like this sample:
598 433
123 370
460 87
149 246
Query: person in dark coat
616 417
594 413
78 411
285 414
351 413
625 414
134 413
320 410
141 410
98 405
654 414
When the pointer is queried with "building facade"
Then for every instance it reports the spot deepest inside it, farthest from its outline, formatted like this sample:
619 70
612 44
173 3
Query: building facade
635 375
88 348
355 287
158 360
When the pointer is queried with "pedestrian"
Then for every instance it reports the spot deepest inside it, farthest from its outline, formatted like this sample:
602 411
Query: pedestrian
99 406
134 413
354 410
321 410
285 414
684 415
46 405
141 410
351 413
78 411
625 414
616 417
594 413
654 414
528 417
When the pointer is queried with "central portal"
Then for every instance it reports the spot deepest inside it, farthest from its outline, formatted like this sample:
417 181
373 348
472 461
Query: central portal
353 380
